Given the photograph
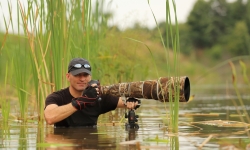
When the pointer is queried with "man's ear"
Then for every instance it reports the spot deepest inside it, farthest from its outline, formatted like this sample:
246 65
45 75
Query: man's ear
67 76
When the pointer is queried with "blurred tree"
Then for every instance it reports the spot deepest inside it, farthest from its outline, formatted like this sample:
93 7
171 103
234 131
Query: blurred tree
218 25
185 42
237 33
238 41
186 46
199 21
216 52
208 21
216 22
236 11
247 16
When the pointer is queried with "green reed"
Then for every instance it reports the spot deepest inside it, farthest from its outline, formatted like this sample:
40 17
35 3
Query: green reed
49 48
174 107
50 33
238 93
20 71
235 82
28 16
173 103
21 81
5 103
172 37
244 73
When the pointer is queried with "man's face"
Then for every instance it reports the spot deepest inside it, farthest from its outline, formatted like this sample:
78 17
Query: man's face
80 81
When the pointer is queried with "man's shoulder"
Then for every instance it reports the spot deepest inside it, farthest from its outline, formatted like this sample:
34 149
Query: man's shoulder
62 92
60 97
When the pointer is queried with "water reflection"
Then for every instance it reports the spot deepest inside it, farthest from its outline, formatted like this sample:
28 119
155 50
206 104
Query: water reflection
22 140
102 137
65 138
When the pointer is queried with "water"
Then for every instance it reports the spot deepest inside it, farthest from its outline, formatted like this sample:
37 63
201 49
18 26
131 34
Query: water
210 121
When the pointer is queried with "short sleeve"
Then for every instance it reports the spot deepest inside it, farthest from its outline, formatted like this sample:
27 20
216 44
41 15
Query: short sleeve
108 102
51 99
59 98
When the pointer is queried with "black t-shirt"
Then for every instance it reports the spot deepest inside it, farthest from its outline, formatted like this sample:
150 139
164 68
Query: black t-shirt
86 117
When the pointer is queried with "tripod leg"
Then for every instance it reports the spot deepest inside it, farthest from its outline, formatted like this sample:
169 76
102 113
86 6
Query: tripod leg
136 126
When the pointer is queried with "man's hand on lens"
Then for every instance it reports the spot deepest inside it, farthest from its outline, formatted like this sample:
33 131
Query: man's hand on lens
133 103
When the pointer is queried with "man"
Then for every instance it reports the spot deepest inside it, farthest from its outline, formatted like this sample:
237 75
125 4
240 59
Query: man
80 104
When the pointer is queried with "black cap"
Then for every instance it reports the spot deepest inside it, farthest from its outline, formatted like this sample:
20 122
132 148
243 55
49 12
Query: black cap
74 71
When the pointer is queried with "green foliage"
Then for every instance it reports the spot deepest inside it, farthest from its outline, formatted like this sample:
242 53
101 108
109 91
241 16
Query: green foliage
199 21
239 40
185 41
247 16
215 29
222 24
216 52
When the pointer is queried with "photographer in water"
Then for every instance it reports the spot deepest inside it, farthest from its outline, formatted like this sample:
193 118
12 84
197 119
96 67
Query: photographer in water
80 104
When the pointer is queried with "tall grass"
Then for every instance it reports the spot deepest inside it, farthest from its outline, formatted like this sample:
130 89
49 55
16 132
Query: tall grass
174 105
172 37
21 80
49 34
38 42
239 102
5 108
5 103
48 26
235 82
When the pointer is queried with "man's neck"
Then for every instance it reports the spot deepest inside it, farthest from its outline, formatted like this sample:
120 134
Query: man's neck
74 92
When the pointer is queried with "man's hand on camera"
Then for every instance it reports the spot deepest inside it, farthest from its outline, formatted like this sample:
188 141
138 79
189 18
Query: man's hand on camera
133 103
89 97
91 92
82 102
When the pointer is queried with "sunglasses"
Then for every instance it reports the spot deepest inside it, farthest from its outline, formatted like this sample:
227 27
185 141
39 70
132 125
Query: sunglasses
78 66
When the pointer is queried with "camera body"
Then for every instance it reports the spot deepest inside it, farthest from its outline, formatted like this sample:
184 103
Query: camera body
94 82
97 82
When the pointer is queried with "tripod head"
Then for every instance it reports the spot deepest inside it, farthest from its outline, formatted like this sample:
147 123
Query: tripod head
132 119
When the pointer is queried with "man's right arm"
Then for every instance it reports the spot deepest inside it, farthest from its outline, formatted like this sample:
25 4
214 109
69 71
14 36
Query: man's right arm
54 113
